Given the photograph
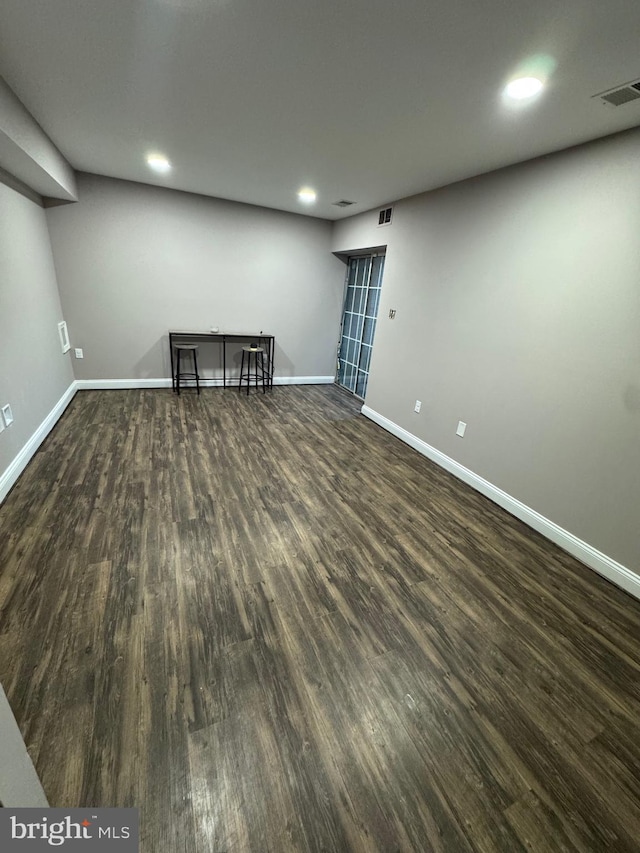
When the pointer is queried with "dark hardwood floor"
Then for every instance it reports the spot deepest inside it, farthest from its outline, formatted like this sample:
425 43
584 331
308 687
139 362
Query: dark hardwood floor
273 627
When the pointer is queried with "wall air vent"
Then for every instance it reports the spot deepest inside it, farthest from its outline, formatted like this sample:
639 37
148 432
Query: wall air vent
621 94
384 217
343 203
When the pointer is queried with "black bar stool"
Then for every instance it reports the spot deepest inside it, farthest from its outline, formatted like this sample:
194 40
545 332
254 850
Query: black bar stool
253 354
186 349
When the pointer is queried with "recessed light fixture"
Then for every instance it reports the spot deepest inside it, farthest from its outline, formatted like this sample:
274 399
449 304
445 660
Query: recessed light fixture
158 162
307 195
523 87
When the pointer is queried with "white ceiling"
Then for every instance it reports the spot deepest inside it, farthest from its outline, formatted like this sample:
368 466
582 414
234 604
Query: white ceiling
367 100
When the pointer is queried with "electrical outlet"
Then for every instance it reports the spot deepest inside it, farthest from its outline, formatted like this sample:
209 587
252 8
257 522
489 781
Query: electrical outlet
79 353
417 406
7 415
461 428
392 314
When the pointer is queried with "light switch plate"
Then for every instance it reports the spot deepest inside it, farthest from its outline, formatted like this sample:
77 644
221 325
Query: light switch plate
7 415
461 428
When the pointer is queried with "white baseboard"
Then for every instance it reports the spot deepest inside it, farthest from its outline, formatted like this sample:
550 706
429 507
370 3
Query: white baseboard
115 384
9 477
303 380
112 384
587 554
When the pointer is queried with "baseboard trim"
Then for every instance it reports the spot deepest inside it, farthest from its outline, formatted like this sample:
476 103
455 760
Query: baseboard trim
120 384
10 476
303 380
587 554
114 384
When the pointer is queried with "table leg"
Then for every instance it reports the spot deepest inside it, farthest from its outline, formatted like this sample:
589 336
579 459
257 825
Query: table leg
173 375
224 362
271 351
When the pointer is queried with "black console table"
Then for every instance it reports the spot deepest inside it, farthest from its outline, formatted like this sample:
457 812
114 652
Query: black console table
266 341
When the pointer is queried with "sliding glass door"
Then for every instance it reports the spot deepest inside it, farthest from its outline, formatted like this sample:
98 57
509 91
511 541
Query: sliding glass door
362 297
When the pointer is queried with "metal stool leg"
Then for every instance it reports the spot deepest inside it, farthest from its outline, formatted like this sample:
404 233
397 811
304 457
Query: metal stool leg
178 355
255 367
241 373
195 367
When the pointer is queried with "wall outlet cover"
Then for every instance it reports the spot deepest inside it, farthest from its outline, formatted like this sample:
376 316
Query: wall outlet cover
7 415
79 353
64 336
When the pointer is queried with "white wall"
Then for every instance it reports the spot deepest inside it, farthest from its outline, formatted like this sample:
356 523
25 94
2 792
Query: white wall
34 374
134 261
518 312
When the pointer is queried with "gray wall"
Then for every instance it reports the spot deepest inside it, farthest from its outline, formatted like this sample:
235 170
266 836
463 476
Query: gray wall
34 374
27 153
134 260
19 783
518 312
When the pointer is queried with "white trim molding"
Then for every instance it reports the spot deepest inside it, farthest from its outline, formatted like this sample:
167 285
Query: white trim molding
10 476
116 384
111 384
303 380
587 554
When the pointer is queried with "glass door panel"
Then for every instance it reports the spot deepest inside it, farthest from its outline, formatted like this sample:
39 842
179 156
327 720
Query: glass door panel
362 297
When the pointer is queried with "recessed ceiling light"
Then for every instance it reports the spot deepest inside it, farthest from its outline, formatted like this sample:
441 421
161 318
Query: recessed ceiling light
523 87
158 163
307 195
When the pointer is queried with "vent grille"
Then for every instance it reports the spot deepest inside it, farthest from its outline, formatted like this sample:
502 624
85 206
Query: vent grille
343 203
385 216
621 94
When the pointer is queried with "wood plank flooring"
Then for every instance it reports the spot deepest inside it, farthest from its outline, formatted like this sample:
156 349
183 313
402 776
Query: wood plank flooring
273 627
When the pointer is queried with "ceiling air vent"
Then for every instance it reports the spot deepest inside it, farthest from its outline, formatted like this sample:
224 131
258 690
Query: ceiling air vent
384 217
343 203
621 94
